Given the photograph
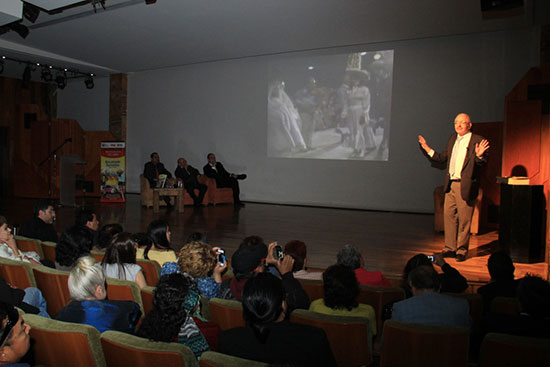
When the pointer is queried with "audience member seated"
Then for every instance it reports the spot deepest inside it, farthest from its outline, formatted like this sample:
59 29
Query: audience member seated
174 302
451 281
151 172
268 336
254 241
142 240
75 242
502 284
30 300
86 218
341 291
428 306
105 236
14 336
159 249
298 251
88 301
533 294
41 226
223 178
248 260
120 260
9 249
189 177
350 256
200 261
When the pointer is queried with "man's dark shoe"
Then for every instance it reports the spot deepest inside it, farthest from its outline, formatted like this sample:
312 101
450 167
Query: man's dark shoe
239 204
241 177
460 257
449 254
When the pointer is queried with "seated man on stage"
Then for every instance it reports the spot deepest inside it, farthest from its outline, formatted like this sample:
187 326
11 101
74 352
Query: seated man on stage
223 178
41 226
152 170
189 176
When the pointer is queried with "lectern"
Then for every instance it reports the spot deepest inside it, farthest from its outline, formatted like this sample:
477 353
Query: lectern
521 228
67 179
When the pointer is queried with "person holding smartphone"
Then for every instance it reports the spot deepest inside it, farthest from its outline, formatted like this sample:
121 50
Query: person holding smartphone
202 262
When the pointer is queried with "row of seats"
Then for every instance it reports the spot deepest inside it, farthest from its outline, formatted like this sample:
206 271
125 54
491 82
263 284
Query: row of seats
403 344
58 343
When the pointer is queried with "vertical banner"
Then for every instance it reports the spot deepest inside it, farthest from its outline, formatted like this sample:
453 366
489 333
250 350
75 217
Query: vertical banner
113 172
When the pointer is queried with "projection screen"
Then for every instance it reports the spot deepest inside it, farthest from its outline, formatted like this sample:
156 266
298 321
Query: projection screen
330 106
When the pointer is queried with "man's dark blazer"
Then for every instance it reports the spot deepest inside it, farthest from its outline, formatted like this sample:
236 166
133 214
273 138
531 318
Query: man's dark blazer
471 170
221 175
433 308
189 176
150 172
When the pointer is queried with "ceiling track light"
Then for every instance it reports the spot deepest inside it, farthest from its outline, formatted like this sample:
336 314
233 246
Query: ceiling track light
30 12
47 73
61 80
89 81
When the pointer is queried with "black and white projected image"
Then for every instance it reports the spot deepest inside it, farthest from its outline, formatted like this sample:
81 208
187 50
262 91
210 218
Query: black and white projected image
330 107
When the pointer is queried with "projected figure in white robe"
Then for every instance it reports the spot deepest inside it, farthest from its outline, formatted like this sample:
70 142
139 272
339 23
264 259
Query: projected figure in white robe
283 122
362 136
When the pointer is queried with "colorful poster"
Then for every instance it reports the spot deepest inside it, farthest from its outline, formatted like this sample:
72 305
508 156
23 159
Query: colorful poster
113 172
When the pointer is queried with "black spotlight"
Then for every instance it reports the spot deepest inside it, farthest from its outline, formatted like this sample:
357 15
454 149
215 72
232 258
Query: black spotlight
30 12
26 77
20 29
46 74
61 81
89 81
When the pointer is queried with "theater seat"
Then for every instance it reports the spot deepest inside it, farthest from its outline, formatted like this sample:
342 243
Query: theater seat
499 350
54 285
48 249
350 338
215 359
124 290
418 345
26 244
59 343
122 349
226 313
151 271
147 294
17 273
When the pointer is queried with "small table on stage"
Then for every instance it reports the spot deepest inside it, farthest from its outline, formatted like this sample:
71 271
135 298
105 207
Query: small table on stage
177 192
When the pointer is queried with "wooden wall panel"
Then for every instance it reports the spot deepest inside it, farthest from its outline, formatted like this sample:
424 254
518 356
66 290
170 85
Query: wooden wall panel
522 137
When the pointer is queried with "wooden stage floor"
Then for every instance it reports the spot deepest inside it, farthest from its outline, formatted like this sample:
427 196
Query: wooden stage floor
386 239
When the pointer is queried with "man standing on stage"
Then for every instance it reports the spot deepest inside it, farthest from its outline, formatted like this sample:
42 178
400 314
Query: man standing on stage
464 155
